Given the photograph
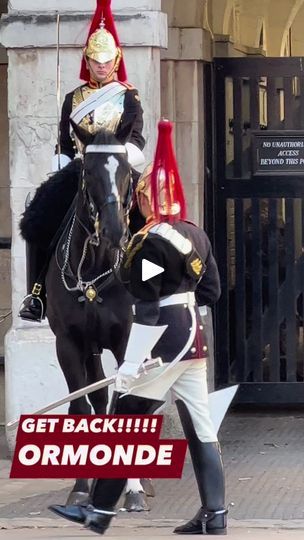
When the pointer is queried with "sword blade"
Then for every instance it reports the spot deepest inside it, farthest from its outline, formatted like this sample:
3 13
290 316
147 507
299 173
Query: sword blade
58 87
150 364
67 399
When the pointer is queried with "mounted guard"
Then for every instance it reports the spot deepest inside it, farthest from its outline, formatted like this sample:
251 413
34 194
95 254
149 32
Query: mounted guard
105 101
71 258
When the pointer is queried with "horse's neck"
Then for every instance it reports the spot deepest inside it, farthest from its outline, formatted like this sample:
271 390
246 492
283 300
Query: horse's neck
97 258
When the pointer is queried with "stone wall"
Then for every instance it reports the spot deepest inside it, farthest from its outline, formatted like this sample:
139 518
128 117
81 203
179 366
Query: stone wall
29 33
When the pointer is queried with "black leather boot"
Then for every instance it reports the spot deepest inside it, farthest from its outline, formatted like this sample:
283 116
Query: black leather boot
106 492
34 304
98 520
205 522
92 518
72 512
208 469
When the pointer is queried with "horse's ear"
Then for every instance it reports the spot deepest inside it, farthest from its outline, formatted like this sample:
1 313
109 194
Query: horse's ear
82 134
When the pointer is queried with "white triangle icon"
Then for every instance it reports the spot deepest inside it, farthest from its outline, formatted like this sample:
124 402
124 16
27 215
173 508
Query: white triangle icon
150 270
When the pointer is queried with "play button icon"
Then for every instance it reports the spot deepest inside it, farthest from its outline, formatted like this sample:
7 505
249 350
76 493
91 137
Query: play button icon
150 270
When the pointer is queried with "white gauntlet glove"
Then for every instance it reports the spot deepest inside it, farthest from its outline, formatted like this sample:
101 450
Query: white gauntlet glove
135 156
142 340
123 382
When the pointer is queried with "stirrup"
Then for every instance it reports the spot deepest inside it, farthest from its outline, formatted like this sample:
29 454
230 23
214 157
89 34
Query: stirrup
22 306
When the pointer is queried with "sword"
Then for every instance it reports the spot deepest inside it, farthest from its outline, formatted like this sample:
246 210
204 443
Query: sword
141 342
148 366
58 84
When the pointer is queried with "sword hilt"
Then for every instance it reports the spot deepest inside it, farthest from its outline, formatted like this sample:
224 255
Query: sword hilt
150 364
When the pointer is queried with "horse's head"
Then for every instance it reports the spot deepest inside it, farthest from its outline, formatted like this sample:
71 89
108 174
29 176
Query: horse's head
106 181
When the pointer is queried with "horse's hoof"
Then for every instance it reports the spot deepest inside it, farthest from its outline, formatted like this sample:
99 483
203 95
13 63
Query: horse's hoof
148 487
136 501
80 498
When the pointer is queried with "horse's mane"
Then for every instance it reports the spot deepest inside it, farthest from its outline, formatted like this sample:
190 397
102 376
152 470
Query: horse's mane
51 202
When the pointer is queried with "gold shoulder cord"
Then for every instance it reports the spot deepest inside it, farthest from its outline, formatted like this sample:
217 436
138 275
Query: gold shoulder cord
130 253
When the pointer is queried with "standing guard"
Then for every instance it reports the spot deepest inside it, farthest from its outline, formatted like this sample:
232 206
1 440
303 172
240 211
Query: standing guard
105 101
168 299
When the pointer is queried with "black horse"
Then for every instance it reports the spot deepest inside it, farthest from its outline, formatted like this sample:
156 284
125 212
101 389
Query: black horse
88 307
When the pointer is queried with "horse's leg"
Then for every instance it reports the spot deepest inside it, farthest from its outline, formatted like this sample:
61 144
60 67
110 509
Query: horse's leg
98 399
137 490
70 357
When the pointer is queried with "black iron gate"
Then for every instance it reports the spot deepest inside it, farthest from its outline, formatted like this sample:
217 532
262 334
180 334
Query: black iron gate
258 174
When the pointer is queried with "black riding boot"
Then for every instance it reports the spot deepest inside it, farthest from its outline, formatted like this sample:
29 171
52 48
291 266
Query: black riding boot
208 469
34 304
105 492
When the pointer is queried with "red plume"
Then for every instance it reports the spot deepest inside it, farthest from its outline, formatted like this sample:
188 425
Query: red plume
165 164
103 10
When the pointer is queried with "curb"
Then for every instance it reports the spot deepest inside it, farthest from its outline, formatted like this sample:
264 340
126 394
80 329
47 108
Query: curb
48 523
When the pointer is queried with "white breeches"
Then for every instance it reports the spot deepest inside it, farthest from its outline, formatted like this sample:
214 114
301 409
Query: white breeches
187 381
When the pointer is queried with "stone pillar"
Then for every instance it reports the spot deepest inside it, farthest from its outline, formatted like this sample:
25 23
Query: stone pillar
33 377
182 83
189 44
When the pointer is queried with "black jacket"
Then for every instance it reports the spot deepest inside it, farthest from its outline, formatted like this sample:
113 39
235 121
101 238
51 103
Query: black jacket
175 279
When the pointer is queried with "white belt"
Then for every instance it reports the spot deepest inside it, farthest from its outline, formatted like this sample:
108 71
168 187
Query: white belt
187 298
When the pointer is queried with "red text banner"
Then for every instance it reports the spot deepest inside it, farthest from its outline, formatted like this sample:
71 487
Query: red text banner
103 446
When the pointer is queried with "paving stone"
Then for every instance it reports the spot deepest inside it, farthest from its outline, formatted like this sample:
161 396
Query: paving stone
264 463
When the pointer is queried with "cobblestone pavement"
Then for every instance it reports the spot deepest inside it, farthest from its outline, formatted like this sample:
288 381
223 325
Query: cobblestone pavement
264 462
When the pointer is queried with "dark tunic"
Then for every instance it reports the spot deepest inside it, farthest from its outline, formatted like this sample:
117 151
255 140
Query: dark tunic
130 126
174 280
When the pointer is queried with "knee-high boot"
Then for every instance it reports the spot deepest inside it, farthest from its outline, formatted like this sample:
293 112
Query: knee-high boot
34 304
105 492
208 469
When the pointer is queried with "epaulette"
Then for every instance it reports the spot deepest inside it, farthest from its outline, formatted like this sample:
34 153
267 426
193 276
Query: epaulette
166 231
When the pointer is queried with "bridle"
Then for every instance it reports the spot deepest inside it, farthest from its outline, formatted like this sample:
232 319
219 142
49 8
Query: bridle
114 197
90 289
